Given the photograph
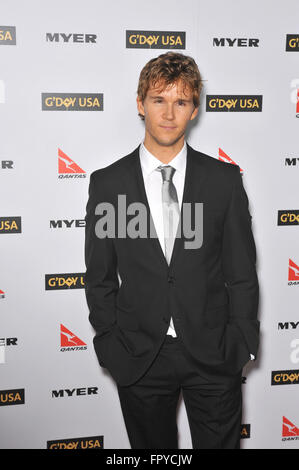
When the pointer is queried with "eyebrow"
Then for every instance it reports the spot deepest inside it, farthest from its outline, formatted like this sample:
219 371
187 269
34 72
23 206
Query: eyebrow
152 97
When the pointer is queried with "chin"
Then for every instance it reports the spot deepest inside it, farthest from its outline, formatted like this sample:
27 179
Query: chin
167 140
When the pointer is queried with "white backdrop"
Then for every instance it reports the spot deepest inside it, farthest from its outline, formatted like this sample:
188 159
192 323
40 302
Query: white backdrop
36 190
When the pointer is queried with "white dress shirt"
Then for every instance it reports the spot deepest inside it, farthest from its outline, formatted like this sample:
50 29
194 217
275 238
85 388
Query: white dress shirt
153 186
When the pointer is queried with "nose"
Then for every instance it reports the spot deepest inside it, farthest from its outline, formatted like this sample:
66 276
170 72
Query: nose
168 112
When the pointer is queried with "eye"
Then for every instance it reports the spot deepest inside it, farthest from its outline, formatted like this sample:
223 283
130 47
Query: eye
182 103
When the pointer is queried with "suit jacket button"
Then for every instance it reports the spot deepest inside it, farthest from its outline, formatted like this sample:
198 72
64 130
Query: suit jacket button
170 279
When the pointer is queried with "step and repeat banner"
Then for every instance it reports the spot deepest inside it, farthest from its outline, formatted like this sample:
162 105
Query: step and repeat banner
68 78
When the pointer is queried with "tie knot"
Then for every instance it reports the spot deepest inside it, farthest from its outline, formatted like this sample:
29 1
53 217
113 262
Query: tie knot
167 172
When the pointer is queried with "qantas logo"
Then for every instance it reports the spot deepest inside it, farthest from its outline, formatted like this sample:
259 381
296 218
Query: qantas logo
293 271
2 295
67 168
225 158
293 274
290 432
69 341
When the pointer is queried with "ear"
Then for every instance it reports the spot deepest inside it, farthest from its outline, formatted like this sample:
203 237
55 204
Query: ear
140 106
194 114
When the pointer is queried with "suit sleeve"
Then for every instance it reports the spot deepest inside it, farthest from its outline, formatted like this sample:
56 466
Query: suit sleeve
101 279
239 266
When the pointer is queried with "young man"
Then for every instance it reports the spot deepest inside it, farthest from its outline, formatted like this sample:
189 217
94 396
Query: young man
184 316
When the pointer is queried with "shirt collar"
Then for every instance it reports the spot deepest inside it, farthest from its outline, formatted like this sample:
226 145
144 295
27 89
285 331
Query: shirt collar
149 162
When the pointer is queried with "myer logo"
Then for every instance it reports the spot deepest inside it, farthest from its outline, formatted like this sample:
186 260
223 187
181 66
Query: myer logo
288 325
234 103
72 102
288 217
71 37
292 161
8 35
12 397
74 392
6 164
9 341
6 342
10 225
67 223
64 281
156 39
292 43
285 377
94 442
237 42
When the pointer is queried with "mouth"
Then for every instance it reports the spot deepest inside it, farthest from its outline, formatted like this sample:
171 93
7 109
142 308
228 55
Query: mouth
168 127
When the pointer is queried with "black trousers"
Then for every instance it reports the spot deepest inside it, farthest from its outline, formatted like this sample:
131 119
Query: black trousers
213 403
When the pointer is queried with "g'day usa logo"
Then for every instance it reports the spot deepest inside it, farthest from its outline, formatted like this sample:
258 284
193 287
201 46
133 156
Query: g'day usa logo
155 40
292 43
64 281
8 35
12 397
72 102
95 442
285 377
234 103
288 217
10 224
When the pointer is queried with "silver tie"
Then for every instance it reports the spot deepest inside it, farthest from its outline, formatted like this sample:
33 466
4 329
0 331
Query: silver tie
171 212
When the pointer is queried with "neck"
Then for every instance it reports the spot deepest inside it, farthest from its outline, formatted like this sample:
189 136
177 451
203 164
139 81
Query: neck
162 152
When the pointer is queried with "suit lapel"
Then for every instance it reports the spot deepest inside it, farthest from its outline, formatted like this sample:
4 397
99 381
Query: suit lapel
191 193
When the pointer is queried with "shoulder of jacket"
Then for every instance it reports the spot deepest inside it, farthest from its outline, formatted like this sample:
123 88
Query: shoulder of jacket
215 165
114 168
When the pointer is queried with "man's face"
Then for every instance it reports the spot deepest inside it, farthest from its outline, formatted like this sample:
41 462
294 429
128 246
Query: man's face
167 113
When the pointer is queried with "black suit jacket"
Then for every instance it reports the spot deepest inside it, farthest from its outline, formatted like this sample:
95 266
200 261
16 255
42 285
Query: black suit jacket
211 292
